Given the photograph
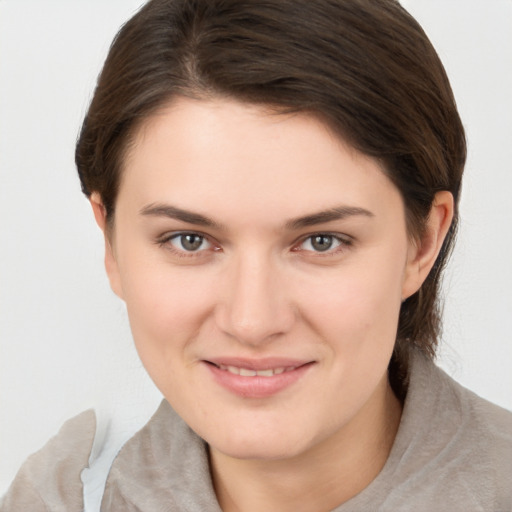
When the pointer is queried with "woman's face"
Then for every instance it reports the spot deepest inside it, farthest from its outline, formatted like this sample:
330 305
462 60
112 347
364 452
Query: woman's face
263 263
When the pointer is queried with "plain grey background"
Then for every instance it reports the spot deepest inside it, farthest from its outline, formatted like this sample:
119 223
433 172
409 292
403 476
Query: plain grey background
64 338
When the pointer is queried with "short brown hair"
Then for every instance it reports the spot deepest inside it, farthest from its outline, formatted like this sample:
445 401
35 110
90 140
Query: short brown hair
365 67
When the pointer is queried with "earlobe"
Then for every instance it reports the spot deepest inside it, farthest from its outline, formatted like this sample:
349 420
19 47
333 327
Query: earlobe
111 266
423 253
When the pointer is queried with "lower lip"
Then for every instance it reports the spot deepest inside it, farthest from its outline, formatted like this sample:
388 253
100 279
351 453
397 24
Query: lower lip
257 387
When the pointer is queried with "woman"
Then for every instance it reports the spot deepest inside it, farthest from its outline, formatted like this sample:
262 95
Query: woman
277 184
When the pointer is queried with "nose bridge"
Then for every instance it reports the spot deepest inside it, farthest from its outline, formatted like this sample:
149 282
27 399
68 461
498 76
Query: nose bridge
256 307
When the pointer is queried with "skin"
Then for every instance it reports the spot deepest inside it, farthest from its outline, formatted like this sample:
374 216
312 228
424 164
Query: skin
258 287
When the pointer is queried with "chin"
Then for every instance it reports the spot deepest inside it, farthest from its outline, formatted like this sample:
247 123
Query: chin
262 445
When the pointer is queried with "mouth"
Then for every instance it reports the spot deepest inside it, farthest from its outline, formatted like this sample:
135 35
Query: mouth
257 378
248 372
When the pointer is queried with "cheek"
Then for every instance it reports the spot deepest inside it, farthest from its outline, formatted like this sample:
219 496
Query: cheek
362 301
166 308
356 318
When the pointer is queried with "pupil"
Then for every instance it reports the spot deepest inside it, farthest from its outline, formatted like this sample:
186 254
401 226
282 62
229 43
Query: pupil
191 242
322 242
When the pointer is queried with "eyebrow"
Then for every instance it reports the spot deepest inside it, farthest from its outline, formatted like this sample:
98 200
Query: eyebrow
172 212
330 215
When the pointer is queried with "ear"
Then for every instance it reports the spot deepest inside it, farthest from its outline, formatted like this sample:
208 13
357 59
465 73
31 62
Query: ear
423 253
111 266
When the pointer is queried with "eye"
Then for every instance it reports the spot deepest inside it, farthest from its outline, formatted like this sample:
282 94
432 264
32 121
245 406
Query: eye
189 242
322 242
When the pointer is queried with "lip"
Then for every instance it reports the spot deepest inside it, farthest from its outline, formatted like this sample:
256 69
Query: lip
265 363
257 386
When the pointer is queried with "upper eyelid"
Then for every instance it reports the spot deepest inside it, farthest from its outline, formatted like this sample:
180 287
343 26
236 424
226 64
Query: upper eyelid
342 237
168 235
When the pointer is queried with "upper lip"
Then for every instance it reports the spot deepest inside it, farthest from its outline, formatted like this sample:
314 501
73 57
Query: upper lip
266 363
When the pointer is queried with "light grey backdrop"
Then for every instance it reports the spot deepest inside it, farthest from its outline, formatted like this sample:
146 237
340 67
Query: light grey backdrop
64 339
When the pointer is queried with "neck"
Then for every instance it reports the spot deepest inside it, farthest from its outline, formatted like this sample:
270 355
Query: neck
327 475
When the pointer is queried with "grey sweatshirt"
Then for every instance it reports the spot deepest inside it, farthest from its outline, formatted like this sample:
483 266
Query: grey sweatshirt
452 452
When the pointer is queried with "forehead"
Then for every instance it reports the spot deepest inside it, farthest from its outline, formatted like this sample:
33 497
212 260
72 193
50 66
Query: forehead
224 154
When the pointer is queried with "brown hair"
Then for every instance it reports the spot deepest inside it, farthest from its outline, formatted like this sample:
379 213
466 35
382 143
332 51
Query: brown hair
365 67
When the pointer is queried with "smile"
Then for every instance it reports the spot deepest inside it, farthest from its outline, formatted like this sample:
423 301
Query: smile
257 378
247 372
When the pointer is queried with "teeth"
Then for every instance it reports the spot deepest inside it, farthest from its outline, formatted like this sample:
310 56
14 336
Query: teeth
265 373
246 372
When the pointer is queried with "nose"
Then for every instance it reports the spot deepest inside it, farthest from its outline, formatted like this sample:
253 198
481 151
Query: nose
255 308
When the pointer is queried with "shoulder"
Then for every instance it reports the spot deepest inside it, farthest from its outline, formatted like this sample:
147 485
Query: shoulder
482 443
459 446
156 466
50 478
453 451
479 423
88 465
433 391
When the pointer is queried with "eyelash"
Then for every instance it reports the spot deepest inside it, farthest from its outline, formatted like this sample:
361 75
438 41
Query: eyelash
344 242
165 241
